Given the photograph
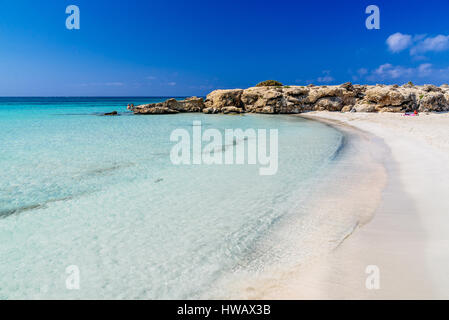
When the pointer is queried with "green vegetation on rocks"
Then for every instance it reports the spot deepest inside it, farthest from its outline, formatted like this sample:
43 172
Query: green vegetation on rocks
269 83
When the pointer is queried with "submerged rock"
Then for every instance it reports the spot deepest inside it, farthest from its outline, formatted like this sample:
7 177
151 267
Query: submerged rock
219 99
113 113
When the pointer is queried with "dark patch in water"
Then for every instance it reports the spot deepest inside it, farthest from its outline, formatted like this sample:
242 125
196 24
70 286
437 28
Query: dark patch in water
160 154
9 212
72 114
343 142
97 114
340 149
234 143
102 171
159 180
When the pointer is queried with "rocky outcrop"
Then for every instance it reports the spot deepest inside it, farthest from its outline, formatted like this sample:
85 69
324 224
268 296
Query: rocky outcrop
297 99
192 104
153 109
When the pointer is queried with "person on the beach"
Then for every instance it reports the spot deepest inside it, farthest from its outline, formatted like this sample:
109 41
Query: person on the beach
415 113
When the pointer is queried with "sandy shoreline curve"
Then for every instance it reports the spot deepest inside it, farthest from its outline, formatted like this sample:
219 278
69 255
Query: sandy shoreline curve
408 238
343 198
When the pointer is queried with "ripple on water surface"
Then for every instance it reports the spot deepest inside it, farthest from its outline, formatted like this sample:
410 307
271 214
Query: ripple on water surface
101 193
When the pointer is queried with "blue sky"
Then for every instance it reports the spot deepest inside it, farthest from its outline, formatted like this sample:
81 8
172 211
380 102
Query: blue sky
164 48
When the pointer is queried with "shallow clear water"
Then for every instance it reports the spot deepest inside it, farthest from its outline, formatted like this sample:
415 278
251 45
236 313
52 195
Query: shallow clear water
101 193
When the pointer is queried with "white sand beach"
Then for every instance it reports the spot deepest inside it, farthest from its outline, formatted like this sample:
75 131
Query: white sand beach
408 236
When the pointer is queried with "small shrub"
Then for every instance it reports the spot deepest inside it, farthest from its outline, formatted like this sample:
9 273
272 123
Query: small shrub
410 83
269 83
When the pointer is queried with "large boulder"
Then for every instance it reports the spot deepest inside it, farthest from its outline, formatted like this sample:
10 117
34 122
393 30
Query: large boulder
329 104
364 107
390 99
433 101
273 100
384 96
194 104
219 99
316 93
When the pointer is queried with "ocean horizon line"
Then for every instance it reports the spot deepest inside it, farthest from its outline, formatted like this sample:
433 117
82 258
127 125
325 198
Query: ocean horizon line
181 96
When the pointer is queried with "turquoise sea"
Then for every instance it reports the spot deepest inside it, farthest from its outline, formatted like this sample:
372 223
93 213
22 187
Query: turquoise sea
100 193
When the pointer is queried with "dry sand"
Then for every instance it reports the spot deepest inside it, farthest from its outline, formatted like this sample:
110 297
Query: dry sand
408 238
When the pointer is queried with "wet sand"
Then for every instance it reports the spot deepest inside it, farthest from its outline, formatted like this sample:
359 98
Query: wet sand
400 214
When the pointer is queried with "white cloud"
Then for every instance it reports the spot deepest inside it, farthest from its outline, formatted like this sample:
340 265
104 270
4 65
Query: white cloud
436 44
171 83
326 77
425 69
398 42
388 71
360 74
418 44
423 72
362 71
